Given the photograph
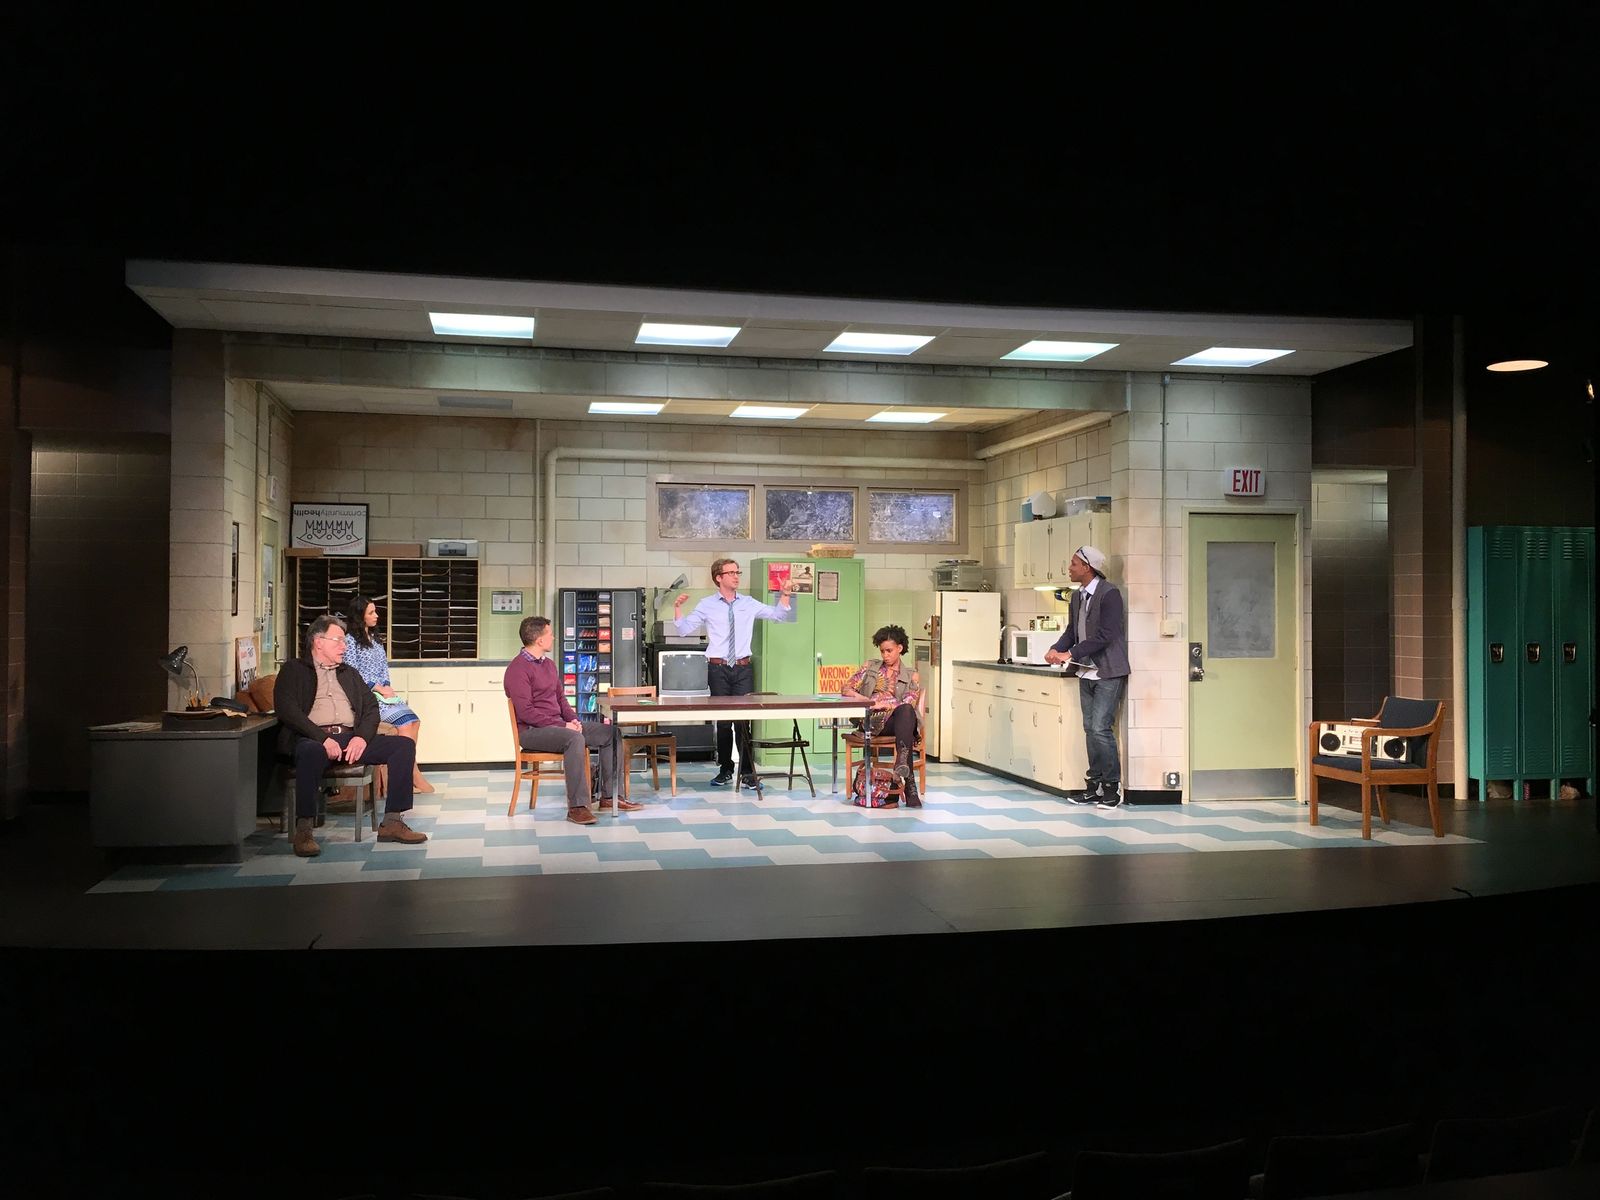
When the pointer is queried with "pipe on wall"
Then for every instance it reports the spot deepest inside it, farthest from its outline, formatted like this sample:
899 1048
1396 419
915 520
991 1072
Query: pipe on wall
1064 429
751 459
1458 561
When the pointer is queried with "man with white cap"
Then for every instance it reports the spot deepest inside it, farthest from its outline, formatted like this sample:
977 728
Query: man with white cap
1095 648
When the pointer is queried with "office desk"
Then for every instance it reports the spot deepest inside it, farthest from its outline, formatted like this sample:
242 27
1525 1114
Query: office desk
631 710
153 787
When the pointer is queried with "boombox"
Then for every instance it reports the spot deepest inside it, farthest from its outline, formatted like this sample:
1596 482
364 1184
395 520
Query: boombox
1337 738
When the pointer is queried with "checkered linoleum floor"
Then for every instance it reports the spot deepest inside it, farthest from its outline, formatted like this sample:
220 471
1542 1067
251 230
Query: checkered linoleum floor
966 814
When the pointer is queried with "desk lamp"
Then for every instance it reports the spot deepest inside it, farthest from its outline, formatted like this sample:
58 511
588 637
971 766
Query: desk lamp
174 665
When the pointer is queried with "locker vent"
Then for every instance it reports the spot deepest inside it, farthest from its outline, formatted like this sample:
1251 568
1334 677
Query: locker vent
1539 545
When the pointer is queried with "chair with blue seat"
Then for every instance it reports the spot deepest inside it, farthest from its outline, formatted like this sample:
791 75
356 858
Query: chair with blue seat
1418 721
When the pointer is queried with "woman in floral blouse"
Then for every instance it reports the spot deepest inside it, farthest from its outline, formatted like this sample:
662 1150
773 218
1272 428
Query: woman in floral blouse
365 653
895 690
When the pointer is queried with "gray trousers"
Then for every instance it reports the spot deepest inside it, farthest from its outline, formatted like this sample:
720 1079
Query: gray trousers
572 745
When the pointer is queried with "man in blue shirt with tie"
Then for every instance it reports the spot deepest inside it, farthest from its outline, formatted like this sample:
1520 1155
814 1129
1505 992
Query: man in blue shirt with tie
729 619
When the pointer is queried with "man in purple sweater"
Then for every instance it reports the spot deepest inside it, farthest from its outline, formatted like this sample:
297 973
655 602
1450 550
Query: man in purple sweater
547 723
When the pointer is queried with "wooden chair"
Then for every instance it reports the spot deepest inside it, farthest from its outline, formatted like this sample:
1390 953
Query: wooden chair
869 748
526 764
649 741
1399 717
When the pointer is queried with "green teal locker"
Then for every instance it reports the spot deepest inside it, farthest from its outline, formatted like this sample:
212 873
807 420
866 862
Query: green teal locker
1536 676
828 630
1572 651
1491 652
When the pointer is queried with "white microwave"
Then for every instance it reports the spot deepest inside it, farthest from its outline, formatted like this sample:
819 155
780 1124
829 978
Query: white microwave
1028 645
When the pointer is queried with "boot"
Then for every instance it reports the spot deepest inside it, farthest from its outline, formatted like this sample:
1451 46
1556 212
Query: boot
1090 793
906 776
304 844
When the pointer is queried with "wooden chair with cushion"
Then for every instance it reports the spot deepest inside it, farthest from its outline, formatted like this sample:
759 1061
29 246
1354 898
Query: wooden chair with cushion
528 764
649 741
1399 717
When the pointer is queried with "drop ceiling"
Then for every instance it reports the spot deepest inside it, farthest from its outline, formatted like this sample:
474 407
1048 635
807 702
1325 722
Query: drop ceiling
603 319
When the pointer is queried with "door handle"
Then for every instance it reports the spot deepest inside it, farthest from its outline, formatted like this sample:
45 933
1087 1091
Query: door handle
1197 670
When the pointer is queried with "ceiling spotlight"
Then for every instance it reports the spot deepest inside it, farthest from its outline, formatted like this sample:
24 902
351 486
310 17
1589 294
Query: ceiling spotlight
1517 364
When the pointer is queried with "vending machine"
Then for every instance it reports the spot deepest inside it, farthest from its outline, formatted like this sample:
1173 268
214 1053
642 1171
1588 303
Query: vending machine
601 644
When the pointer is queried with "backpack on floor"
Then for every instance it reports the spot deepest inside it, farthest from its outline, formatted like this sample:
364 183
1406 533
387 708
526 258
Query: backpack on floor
873 787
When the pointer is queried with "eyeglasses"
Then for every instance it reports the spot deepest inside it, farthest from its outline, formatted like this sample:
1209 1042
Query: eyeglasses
732 571
330 637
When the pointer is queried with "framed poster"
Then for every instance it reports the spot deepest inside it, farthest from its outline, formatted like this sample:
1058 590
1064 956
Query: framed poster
331 528
247 657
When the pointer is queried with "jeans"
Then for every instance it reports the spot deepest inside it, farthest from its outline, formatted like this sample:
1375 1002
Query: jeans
1099 698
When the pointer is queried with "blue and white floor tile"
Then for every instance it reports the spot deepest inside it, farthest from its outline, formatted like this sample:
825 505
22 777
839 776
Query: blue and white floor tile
966 814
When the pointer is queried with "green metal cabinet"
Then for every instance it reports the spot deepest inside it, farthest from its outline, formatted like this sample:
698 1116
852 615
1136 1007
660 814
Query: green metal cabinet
1530 654
825 632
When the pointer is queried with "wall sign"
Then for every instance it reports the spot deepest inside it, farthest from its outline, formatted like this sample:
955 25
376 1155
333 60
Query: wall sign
331 528
505 602
1244 481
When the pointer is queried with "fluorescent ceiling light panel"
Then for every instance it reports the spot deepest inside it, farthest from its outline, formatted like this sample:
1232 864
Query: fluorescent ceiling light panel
481 325
658 333
770 412
878 343
904 416
1037 351
626 408
1230 356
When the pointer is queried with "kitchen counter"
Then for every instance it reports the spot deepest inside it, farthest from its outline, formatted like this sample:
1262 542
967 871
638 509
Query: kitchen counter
1018 668
449 662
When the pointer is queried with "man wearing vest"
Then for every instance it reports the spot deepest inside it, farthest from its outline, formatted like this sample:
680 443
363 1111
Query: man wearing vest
1095 648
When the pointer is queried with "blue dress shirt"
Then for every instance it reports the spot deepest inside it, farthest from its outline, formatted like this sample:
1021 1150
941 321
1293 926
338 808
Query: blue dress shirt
729 623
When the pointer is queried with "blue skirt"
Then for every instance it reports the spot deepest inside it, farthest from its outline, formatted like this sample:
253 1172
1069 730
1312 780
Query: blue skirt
397 714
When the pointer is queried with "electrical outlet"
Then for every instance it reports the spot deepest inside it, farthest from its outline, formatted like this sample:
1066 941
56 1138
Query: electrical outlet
1172 779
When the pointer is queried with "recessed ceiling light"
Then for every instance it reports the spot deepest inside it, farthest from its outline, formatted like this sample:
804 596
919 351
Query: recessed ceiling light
1518 364
1037 351
1230 356
903 416
770 412
481 325
878 343
626 408
657 333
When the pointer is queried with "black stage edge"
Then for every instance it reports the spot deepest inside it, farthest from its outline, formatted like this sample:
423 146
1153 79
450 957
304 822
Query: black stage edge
536 1068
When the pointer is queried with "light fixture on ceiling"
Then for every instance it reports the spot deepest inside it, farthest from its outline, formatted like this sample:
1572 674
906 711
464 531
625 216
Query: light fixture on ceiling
488 325
660 333
1044 351
877 343
902 416
1517 364
769 412
1230 356
626 408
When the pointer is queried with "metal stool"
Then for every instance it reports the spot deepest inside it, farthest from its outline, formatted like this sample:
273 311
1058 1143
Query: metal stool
353 775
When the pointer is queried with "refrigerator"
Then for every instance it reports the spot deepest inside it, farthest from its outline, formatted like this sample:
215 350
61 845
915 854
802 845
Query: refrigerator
964 627
601 644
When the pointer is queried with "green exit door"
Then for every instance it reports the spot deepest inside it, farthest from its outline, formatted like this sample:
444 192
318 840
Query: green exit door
827 632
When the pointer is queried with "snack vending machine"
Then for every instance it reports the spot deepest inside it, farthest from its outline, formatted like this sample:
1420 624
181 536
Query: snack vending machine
600 643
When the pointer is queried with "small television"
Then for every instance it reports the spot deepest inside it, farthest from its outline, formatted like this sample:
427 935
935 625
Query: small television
681 673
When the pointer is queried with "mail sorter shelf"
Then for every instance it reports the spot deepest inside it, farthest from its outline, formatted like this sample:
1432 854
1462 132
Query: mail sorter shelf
426 608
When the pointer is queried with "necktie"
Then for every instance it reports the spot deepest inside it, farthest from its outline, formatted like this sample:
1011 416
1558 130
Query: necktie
730 655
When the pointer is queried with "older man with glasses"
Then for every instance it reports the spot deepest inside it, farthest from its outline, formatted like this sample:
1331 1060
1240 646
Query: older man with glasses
327 714
729 620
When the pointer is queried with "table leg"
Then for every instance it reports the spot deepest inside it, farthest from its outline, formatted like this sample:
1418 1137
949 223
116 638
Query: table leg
833 765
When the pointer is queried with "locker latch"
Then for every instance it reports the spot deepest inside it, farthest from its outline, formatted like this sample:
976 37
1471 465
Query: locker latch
1569 652
1497 652
1533 652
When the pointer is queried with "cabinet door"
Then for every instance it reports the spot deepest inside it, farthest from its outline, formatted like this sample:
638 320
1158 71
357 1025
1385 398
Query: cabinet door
969 708
488 726
439 698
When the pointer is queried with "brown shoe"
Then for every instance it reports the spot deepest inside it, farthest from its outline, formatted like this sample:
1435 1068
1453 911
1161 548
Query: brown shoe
607 804
580 815
394 829
304 844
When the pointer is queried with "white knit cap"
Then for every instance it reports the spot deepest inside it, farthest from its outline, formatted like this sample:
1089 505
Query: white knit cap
1094 557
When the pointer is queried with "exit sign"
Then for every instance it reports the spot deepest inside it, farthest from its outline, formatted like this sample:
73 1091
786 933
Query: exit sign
1244 481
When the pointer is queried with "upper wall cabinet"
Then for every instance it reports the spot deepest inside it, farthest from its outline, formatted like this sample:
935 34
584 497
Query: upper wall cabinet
1042 549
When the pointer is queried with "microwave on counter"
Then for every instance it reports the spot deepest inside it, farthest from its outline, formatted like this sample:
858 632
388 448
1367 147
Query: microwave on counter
1027 646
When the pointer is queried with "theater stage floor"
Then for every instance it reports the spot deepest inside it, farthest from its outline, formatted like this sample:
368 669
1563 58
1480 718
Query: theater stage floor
984 855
